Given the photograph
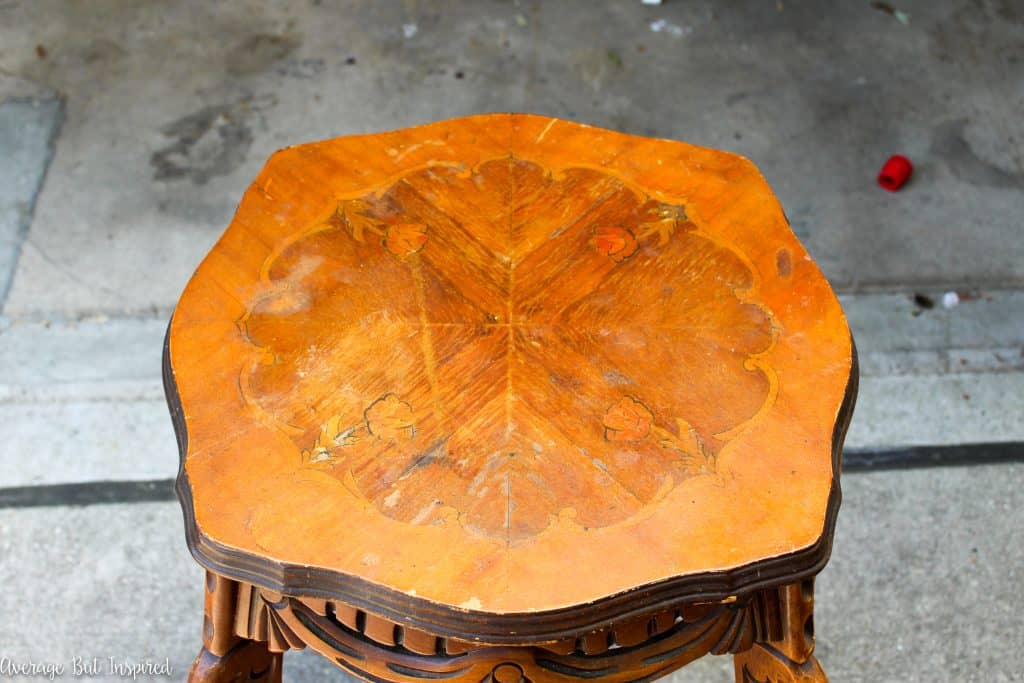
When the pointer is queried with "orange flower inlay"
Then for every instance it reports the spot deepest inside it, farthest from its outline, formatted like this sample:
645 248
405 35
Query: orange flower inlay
627 420
615 242
405 239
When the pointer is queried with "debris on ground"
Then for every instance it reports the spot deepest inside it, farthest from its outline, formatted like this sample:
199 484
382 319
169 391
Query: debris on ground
668 27
615 58
521 20
895 172
409 30
923 301
40 52
950 300
902 17
651 2
969 295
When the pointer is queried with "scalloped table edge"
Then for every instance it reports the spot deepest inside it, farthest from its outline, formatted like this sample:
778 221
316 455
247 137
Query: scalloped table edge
513 628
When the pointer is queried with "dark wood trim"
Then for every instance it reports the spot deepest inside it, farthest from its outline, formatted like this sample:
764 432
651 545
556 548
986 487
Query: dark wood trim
509 628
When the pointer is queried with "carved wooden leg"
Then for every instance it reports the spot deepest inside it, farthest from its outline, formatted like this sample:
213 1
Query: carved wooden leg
788 654
225 657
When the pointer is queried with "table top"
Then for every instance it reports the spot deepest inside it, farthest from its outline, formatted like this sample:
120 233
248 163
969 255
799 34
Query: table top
508 376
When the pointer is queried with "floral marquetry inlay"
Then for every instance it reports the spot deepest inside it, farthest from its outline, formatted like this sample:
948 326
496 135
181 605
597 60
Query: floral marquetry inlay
546 344
509 379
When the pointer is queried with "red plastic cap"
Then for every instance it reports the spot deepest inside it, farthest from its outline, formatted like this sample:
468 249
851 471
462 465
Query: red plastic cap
895 172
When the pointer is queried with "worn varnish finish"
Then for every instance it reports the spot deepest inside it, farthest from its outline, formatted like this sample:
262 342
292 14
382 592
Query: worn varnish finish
500 349
509 379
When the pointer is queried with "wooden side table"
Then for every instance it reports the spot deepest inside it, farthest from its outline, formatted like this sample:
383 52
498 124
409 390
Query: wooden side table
507 398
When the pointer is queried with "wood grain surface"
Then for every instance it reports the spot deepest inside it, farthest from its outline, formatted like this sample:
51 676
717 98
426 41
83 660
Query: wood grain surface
511 367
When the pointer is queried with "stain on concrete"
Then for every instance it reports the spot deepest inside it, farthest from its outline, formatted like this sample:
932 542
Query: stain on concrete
258 53
1010 10
29 127
103 50
739 96
213 141
950 143
970 33
302 68
1011 55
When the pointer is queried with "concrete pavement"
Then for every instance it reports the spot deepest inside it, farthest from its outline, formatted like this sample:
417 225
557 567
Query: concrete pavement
180 103
128 131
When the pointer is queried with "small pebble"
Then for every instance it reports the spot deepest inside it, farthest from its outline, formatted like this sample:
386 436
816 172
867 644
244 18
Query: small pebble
923 301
